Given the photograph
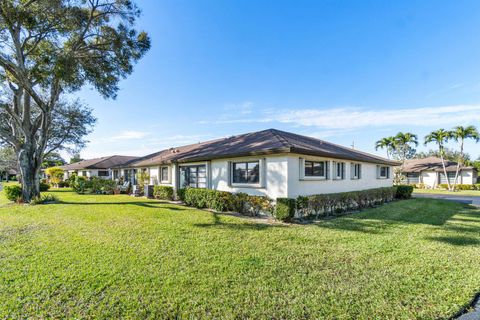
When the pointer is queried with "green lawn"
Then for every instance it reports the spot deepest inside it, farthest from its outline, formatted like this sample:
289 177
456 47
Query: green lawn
117 256
440 191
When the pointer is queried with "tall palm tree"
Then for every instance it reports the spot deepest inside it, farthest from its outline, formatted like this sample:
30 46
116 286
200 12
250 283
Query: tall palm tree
440 137
387 143
460 134
403 142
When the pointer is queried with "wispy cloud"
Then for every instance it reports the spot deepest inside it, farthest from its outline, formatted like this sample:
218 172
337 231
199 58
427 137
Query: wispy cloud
129 135
356 118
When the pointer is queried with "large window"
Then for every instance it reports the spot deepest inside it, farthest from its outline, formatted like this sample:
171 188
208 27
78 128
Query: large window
103 173
193 176
315 169
164 174
115 174
246 172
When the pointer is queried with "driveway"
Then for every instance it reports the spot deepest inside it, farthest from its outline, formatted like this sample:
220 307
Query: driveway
473 200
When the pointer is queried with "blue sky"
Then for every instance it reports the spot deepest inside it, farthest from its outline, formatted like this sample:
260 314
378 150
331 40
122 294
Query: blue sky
342 71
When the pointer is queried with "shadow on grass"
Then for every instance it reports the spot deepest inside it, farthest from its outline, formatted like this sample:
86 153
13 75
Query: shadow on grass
218 223
145 204
458 240
401 213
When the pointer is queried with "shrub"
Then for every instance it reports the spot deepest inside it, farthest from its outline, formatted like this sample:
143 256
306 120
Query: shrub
285 209
336 203
44 199
443 186
81 184
44 186
13 193
464 187
64 184
403 192
181 194
55 175
477 186
163 192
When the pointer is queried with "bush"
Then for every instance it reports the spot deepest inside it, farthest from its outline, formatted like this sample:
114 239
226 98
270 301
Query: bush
336 203
477 186
181 194
285 209
404 192
81 184
64 184
163 192
44 187
13 193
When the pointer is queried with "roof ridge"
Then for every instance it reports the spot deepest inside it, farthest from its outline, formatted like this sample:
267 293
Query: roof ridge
280 137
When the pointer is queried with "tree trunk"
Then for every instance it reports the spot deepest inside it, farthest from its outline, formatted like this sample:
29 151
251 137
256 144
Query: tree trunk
29 174
445 171
460 162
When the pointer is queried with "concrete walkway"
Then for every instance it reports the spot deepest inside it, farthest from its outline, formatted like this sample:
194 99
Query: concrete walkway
473 200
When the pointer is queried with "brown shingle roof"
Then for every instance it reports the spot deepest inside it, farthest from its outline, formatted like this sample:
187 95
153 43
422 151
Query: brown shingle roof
269 141
99 163
430 163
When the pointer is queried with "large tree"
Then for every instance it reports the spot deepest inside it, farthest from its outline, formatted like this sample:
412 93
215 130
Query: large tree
460 134
50 48
387 143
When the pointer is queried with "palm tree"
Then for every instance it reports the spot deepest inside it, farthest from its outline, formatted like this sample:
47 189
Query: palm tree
403 142
387 143
459 134
440 137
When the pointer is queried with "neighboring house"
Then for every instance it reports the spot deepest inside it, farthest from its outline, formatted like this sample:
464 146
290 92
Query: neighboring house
429 171
99 167
271 162
8 175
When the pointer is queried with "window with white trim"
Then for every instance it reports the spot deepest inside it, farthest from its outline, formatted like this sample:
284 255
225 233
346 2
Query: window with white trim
315 169
384 172
339 170
164 174
246 172
103 173
356 171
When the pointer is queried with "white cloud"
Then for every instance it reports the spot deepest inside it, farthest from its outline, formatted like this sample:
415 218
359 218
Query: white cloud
356 118
129 135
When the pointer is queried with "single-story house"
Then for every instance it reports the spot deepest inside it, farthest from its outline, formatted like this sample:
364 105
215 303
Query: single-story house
8 175
98 167
429 171
273 163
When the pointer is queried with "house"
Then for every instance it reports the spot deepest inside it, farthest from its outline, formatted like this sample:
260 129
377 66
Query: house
99 167
8 175
272 163
429 171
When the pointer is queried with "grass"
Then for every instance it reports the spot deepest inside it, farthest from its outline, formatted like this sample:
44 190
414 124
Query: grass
117 256
441 191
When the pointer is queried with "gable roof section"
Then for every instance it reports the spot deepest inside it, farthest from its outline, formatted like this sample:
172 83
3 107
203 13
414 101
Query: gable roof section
430 163
264 142
99 163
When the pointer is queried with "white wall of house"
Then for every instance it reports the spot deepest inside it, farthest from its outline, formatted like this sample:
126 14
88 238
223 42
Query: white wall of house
429 178
298 184
468 177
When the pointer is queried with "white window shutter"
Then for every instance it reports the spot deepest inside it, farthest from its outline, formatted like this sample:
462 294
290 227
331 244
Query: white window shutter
327 170
359 171
378 172
301 168
352 170
263 173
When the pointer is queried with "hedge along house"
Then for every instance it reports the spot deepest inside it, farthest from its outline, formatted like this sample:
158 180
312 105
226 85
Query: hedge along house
98 167
429 171
272 163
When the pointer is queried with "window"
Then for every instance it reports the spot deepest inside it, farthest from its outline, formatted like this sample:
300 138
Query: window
356 170
246 172
315 169
339 168
103 173
193 176
84 173
384 172
164 174
115 174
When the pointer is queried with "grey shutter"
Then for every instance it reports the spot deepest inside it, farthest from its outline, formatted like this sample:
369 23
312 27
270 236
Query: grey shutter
327 170
352 170
378 172
229 173
388 172
334 170
359 171
263 173
343 170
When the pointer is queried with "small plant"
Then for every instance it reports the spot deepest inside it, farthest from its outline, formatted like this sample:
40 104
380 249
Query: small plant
163 192
13 193
44 187
49 198
285 209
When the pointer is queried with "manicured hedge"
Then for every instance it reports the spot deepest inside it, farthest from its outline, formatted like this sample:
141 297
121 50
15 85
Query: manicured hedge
337 203
94 185
404 192
163 192
224 201
461 186
285 209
